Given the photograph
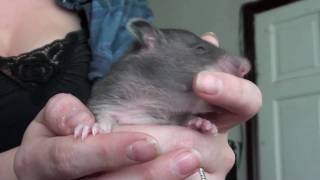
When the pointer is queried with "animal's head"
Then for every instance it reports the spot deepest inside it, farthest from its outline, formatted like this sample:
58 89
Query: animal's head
184 49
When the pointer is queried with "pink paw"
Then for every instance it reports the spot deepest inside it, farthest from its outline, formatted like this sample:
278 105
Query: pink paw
83 130
203 125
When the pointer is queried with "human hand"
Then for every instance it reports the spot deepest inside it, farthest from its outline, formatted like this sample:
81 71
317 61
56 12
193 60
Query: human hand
49 151
214 153
240 100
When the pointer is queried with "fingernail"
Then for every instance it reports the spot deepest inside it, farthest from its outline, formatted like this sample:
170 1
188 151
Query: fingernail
186 162
208 84
143 150
65 119
211 34
75 116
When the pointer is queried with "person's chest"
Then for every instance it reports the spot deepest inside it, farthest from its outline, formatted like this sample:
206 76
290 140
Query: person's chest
29 24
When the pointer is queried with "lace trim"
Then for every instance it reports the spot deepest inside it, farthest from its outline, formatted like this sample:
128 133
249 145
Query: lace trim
34 67
45 50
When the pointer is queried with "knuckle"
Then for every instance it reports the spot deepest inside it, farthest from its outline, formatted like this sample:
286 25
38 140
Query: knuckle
61 159
111 156
147 174
259 98
250 100
105 152
84 117
21 162
229 158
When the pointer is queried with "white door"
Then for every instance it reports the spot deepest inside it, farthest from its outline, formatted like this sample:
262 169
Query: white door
288 70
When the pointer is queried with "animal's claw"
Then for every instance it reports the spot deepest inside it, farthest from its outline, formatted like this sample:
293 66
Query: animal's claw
83 130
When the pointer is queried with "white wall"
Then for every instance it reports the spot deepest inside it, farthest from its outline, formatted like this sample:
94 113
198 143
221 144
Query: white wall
199 16
219 16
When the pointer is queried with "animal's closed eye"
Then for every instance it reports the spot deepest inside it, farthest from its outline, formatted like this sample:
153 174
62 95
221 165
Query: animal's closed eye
200 49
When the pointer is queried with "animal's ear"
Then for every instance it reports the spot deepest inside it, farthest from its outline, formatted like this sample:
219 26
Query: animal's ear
144 32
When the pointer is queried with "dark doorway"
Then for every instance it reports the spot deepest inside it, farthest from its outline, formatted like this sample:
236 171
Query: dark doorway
248 12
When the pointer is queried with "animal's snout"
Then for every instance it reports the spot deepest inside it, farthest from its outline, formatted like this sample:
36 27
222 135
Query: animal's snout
244 66
235 65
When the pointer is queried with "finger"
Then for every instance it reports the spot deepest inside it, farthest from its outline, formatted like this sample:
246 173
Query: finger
63 112
67 158
239 97
219 159
175 165
59 117
211 38
36 129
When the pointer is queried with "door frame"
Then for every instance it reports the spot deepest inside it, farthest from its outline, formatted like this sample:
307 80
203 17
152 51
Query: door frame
248 11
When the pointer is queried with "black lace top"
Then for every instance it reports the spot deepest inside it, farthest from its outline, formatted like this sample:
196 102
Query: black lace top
27 81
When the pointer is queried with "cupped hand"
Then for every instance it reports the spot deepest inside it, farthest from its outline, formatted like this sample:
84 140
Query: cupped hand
238 99
214 153
49 150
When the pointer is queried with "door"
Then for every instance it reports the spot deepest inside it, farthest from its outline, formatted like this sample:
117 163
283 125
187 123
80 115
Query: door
288 73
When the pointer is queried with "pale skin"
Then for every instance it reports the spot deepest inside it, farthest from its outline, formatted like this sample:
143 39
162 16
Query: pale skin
49 151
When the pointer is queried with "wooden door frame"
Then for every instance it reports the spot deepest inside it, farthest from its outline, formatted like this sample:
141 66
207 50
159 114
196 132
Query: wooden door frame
248 11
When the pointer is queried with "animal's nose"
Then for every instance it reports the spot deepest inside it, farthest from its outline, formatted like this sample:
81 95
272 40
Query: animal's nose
235 65
244 66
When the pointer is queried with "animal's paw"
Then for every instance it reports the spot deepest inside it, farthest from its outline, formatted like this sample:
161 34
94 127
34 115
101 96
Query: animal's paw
203 125
83 131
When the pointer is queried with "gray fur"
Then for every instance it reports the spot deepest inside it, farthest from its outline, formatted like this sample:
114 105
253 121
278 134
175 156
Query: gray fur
153 82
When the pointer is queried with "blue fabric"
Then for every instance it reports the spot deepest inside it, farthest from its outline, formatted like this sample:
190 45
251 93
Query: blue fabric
109 38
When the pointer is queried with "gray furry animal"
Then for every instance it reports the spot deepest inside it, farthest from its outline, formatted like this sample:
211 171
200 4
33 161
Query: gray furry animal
152 84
